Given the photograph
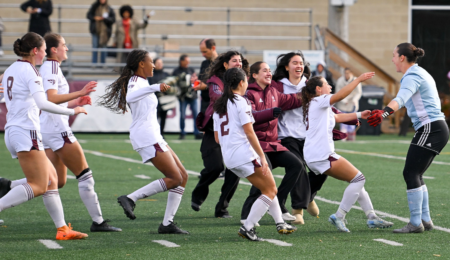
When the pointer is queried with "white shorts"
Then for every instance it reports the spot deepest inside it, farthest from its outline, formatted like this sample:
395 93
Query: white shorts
149 152
246 169
56 141
18 139
322 166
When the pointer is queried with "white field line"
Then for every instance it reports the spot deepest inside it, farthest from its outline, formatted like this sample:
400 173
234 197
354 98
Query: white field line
277 242
389 242
428 177
71 177
383 156
382 214
142 176
50 244
166 243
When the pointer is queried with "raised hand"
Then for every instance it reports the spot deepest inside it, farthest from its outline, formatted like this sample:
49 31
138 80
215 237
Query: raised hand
365 114
84 100
90 87
164 87
366 76
375 118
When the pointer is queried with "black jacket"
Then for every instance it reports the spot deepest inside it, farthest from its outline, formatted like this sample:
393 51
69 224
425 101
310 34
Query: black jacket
39 22
108 21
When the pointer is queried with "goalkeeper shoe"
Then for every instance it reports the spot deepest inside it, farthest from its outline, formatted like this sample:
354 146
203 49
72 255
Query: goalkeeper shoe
410 228
249 234
338 223
127 205
379 223
285 228
428 226
66 233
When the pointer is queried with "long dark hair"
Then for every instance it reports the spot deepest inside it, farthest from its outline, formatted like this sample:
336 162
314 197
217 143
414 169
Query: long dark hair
116 93
231 80
411 52
283 61
308 93
29 41
51 40
217 69
254 69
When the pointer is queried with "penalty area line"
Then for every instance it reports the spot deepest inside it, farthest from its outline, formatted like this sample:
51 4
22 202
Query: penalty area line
166 243
389 242
277 242
50 244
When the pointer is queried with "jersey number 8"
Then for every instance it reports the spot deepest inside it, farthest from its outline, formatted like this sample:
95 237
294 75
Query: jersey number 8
9 85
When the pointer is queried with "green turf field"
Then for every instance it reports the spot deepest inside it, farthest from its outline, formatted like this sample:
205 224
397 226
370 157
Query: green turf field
378 158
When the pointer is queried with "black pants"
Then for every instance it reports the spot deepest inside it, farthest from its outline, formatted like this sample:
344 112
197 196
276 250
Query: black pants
162 114
293 167
213 163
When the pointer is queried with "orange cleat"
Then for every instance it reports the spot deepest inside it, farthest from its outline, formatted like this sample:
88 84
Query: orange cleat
66 233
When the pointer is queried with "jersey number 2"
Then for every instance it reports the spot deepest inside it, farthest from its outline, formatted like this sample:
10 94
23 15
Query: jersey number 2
9 85
224 132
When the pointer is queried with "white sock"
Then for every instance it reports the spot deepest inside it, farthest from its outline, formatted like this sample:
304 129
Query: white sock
18 182
275 211
148 190
257 211
173 202
89 197
351 194
366 204
54 207
16 196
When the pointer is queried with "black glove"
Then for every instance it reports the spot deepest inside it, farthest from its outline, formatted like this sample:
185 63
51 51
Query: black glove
276 112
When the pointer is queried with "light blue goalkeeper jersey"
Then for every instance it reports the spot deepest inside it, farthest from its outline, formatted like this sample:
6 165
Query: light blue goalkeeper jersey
419 95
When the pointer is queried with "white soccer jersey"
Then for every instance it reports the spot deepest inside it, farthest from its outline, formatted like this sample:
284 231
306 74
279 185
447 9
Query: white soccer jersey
20 81
53 78
144 130
319 143
236 149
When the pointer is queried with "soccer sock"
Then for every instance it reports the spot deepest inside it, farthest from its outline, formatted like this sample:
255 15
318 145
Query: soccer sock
18 182
351 194
257 211
89 196
366 204
173 202
425 206
415 199
148 190
54 207
275 211
16 196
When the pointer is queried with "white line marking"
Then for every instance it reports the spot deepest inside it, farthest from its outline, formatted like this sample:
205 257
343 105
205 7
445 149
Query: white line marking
428 177
277 242
50 244
71 177
382 214
166 243
82 141
142 176
389 242
383 155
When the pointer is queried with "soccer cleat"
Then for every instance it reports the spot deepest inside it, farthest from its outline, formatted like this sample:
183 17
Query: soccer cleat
249 234
243 221
195 206
104 227
298 214
127 205
172 228
285 228
379 223
338 223
5 186
428 226
313 209
287 217
66 233
410 228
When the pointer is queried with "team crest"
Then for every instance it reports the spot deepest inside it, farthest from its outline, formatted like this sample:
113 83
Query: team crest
38 82
130 86
51 81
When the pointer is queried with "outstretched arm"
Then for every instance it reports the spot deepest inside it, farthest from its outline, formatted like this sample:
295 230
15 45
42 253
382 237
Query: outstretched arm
54 97
345 91
342 118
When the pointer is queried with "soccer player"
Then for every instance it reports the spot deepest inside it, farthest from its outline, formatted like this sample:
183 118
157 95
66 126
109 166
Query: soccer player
233 130
419 95
319 147
24 98
132 89
60 144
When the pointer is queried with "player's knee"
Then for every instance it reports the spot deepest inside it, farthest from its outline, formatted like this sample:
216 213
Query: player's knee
412 180
86 180
61 183
174 181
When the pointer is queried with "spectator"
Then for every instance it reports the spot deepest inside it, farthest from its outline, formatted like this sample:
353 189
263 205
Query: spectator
101 18
126 32
322 71
39 11
350 104
208 50
2 28
188 95
158 76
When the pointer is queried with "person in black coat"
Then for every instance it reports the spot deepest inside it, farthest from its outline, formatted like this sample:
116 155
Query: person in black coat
101 18
39 11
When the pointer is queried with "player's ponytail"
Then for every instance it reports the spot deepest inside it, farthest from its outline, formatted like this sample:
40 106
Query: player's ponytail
231 80
116 93
23 46
308 93
411 52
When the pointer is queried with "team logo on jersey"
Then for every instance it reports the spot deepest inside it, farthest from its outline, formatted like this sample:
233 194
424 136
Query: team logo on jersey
51 81
260 100
130 86
38 82
249 113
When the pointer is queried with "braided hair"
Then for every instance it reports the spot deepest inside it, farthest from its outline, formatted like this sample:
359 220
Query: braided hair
116 93
231 80
308 93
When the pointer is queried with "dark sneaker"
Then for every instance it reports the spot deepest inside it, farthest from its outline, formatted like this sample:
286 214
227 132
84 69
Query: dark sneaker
182 137
127 205
226 215
5 186
249 234
410 228
171 229
195 206
428 226
285 228
104 227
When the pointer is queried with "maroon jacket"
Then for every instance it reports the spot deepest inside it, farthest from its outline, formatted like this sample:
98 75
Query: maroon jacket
215 87
263 102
